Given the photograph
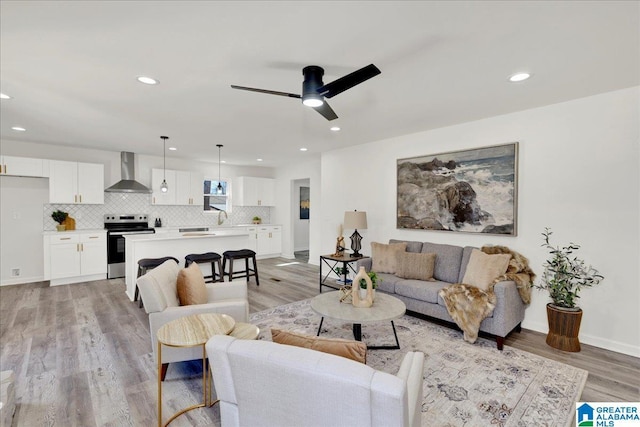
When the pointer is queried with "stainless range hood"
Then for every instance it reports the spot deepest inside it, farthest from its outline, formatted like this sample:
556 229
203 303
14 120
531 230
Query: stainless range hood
127 184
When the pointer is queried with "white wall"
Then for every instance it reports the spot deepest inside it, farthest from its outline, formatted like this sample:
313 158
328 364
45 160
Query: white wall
300 226
578 174
286 200
21 201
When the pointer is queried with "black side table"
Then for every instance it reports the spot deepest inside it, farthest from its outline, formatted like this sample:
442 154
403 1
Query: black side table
332 261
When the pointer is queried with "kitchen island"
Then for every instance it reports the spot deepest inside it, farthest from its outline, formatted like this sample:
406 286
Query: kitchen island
177 245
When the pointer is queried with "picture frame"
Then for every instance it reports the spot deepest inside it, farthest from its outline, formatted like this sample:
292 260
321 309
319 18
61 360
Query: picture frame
305 203
469 191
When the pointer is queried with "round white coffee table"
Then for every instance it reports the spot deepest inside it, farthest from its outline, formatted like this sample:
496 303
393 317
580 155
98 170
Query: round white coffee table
385 308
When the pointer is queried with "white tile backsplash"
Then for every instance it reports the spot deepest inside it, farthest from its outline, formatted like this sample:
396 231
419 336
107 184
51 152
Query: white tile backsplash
92 216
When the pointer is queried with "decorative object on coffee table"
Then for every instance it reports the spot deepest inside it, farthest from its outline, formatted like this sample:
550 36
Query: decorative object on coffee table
355 296
563 277
354 220
59 217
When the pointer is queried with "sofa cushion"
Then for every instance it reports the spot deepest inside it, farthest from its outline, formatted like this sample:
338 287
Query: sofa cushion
415 266
448 259
411 246
384 256
420 290
191 287
158 287
387 282
483 268
354 350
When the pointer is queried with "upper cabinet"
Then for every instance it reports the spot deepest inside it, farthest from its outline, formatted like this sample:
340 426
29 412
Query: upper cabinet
24 166
76 183
184 188
252 191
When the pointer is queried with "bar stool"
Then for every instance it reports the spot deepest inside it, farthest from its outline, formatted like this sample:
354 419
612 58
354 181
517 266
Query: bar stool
244 254
213 258
146 264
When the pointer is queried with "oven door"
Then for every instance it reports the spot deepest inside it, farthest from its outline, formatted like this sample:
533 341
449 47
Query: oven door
115 251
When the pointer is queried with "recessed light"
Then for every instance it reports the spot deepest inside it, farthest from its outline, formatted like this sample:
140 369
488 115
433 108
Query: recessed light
147 80
172 148
18 129
4 96
223 161
303 149
519 77
335 128
259 160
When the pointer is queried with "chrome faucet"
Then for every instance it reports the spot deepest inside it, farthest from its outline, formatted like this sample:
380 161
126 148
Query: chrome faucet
220 220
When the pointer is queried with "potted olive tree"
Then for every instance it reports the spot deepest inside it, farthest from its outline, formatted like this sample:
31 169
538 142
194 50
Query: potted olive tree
564 276
59 217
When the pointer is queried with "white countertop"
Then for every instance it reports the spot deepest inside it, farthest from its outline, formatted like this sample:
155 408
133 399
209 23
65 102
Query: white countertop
93 230
174 235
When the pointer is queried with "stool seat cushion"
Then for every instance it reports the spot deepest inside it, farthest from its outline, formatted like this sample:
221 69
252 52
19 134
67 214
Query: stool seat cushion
191 287
154 262
242 253
206 257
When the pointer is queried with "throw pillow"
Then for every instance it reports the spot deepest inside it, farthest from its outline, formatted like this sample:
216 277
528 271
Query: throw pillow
384 256
483 269
354 350
417 266
191 287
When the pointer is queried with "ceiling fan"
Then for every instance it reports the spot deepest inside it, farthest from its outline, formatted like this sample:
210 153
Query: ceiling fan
314 90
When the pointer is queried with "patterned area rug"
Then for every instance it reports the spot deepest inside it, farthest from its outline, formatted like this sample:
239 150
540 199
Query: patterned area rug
464 384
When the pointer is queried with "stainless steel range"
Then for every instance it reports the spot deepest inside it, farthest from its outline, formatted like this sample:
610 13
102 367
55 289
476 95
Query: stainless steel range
118 226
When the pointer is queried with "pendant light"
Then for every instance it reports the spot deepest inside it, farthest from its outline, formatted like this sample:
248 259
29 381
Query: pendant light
164 187
219 188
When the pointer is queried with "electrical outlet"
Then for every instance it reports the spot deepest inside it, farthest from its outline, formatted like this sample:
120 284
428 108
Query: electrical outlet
15 272
16 215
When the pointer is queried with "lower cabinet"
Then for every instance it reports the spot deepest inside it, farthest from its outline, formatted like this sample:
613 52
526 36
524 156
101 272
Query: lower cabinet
71 257
269 241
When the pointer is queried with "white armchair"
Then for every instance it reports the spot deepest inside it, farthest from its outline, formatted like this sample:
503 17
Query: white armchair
159 292
268 384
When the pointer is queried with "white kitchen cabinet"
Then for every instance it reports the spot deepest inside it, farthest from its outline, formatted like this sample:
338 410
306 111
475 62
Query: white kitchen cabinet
158 197
76 183
184 187
253 239
24 166
253 191
269 240
190 188
71 257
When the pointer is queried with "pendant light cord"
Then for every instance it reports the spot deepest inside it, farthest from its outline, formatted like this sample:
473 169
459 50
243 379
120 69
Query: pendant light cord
219 187
164 157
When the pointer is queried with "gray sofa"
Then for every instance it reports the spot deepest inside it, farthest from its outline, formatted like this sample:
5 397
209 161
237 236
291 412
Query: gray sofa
422 297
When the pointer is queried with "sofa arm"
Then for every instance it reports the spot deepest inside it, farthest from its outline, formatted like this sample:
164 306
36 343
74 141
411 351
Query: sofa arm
364 262
411 371
509 310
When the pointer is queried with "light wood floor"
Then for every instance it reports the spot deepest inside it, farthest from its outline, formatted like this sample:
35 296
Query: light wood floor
59 334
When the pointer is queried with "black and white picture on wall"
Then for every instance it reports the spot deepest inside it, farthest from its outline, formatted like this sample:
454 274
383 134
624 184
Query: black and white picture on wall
304 203
471 191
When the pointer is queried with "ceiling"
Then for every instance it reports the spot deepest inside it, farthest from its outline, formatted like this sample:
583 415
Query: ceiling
71 68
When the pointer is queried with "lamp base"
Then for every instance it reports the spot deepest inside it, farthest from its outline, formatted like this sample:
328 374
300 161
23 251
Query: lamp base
356 255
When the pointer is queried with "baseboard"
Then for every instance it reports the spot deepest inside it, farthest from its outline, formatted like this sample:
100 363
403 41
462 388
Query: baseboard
288 255
618 347
21 280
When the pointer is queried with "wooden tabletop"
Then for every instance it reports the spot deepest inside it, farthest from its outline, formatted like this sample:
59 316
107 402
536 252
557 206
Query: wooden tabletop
194 330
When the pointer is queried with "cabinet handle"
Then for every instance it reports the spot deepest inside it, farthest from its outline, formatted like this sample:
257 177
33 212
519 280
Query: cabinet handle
5 168
81 247
154 200
77 247
94 237
80 198
75 198
65 238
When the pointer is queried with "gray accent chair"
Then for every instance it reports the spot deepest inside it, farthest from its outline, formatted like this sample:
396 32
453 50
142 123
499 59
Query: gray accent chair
421 297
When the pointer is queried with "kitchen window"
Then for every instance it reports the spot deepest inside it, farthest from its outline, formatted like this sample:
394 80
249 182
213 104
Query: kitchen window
215 200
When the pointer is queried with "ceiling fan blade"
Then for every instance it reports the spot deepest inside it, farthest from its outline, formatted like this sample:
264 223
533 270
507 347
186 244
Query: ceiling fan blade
326 111
347 82
270 92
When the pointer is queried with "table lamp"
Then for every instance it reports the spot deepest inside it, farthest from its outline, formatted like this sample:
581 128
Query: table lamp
355 220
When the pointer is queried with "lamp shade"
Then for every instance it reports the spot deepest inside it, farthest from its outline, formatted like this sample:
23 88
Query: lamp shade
355 220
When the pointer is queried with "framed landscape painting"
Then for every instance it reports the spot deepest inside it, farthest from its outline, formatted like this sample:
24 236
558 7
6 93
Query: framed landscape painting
473 191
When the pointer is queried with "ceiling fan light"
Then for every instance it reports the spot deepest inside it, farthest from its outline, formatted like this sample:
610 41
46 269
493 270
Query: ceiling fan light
312 101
